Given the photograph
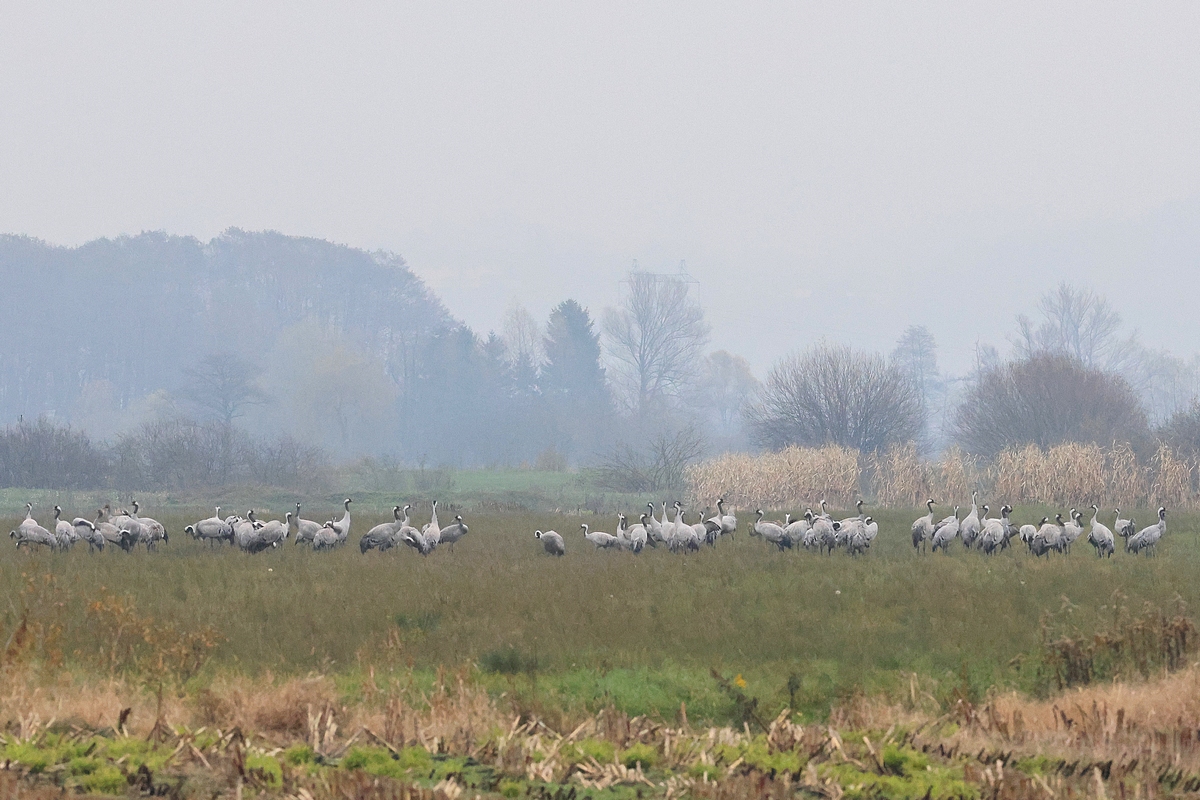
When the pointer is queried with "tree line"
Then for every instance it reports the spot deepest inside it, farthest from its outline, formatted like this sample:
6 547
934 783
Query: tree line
1074 375
186 363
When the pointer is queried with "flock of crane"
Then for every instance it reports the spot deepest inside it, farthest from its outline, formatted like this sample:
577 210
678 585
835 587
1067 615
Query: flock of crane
824 534
676 534
812 531
126 529
992 534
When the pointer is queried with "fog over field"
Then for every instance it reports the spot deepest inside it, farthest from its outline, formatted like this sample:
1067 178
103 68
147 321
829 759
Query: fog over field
840 174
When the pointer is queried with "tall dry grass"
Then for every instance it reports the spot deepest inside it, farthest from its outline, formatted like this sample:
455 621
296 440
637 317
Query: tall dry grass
791 477
1066 474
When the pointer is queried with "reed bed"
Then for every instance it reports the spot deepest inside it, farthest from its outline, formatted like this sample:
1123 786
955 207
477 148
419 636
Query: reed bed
1066 474
786 478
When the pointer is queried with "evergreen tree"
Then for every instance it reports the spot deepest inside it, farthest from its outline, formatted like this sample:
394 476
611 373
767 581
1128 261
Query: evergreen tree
573 382
572 373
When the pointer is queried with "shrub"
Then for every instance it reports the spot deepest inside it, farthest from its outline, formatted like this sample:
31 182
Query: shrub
105 780
641 753
603 752
46 455
1046 400
299 754
507 661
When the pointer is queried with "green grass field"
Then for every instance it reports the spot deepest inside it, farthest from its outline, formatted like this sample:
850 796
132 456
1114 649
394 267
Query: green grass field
375 489
641 632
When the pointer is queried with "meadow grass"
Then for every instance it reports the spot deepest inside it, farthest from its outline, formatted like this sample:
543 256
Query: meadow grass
599 628
374 489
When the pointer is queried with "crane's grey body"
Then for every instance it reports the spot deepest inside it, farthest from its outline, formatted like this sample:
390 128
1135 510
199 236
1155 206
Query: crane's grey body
213 529
773 532
922 528
552 543
306 529
1146 540
970 527
453 532
383 536
945 532
1100 537
602 540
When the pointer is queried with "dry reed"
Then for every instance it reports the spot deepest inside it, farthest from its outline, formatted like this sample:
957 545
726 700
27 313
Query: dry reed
792 477
1067 474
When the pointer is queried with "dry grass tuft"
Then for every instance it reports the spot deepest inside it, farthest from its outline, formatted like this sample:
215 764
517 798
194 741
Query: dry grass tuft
261 705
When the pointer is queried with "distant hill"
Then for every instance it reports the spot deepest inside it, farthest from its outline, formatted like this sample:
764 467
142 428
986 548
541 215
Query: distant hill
122 318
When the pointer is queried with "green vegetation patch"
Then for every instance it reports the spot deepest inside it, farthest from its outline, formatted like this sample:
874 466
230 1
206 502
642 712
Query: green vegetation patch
106 779
936 783
409 763
644 754
266 769
757 754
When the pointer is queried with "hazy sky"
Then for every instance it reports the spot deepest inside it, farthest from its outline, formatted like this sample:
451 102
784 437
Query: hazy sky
826 169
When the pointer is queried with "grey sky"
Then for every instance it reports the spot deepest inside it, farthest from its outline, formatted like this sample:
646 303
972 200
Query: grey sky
824 169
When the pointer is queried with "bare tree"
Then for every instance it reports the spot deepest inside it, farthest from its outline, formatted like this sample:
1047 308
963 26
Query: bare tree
651 466
337 396
727 386
831 394
654 338
523 349
915 355
1078 323
223 384
1166 384
1046 400
522 336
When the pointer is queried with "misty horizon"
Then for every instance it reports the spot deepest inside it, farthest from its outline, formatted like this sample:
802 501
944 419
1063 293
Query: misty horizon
940 166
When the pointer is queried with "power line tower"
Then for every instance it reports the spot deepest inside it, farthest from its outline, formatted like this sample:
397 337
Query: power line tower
680 276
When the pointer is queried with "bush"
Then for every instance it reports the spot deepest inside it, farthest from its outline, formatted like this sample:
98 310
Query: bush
181 453
45 455
507 661
641 753
105 780
659 466
601 751
1182 432
1046 400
